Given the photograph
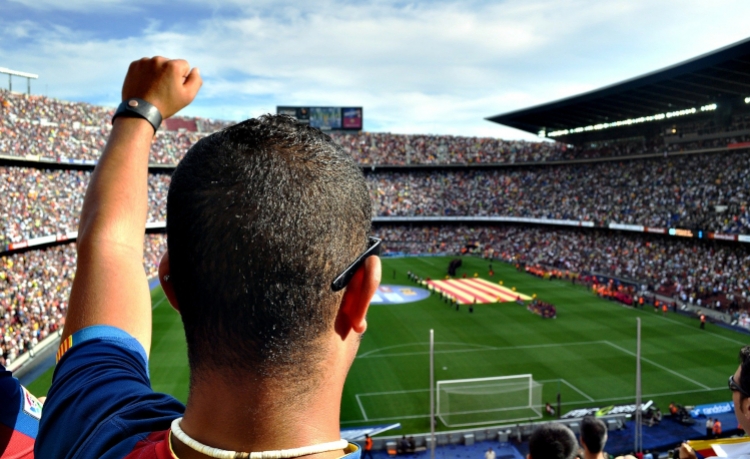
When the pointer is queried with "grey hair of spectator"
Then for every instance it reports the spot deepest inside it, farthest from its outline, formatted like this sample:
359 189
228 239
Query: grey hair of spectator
593 434
552 441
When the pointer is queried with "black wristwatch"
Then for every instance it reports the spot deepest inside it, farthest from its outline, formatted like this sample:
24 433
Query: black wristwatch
139 108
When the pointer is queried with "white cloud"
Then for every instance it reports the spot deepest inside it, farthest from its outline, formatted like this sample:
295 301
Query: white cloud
74 5
419 67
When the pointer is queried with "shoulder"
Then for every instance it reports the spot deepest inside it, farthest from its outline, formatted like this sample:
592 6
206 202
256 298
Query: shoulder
101 403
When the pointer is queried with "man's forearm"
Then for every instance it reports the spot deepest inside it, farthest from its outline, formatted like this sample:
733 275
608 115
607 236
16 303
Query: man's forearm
116 205
110 236
110 286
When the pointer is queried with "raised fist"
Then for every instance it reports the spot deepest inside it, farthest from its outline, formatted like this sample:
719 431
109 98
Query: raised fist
170 85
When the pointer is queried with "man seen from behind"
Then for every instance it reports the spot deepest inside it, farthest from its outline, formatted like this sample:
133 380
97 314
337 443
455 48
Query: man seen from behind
269 265
593 437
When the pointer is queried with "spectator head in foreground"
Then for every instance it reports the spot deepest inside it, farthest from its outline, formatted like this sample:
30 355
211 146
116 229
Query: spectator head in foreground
552 441
269 263
261 218
593 437
739 384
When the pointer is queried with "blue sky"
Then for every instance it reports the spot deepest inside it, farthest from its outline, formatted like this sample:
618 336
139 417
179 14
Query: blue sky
416 67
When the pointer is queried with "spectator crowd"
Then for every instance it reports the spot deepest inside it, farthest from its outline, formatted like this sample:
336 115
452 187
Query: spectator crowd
42 126
34 290
705 191
45 202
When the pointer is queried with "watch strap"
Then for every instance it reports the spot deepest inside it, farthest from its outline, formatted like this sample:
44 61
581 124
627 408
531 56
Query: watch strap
139 108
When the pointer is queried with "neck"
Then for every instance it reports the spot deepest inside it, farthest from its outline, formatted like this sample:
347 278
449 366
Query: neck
588 455
257 414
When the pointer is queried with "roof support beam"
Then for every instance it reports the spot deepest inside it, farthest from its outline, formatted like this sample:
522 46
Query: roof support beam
736 83
670 96
710 88
694 94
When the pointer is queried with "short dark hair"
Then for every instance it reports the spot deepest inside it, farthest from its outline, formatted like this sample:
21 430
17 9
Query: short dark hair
552 441
593 434
261 217
744 381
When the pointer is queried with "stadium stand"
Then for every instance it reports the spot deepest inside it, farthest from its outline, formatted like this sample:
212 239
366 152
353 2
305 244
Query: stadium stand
34 290
662 192
43 202
63 131
703 190
681 172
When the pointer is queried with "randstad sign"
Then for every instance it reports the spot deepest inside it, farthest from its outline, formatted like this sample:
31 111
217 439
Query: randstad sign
711 409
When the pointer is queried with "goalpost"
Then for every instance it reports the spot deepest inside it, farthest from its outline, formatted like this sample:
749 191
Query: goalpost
470 402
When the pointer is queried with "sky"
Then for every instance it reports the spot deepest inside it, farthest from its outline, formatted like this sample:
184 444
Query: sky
428 67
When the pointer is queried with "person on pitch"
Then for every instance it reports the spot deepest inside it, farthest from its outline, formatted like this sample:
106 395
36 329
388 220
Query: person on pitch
269 263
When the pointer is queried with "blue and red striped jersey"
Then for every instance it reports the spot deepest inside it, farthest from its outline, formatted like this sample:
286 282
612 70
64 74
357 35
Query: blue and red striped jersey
19 418
101 404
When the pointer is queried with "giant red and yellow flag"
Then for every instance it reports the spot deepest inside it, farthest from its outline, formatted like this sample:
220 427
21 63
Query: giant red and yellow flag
466 291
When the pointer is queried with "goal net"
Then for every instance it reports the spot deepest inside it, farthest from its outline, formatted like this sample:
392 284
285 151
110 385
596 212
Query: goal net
469 402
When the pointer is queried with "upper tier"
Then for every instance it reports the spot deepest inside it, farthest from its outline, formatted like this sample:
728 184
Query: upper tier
40 126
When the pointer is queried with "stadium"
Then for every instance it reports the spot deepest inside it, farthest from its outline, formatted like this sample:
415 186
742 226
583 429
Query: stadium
633 210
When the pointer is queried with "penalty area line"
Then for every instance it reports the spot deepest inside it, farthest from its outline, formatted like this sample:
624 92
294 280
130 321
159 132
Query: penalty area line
362 408
659 366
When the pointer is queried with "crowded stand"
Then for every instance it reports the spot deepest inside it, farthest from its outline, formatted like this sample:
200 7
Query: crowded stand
702 273
703 191
59 130
660 192
42 126
34 290
43 202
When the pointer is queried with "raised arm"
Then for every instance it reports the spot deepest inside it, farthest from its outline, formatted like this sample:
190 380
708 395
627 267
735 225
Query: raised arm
110 286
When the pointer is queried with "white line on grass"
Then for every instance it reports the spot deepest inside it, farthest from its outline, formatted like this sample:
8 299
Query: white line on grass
369 355
577 390
658 366
567 384
159 302
420 344
707 332
361 407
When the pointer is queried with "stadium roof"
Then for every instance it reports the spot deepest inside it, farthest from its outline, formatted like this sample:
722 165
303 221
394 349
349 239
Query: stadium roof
686 88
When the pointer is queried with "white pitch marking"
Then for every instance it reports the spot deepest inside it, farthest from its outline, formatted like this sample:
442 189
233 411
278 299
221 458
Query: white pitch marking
369 355
366 354
361 407
659 366
159 302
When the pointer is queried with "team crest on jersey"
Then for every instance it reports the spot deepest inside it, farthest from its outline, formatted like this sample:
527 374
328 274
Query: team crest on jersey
31 405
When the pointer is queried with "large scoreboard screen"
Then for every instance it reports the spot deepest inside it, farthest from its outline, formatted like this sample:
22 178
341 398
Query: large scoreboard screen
326 118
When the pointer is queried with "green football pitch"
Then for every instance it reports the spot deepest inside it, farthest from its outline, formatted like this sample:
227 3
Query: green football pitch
587 354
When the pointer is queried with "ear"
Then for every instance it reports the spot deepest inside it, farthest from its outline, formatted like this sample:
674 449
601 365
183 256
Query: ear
745 407
357 296
166 285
